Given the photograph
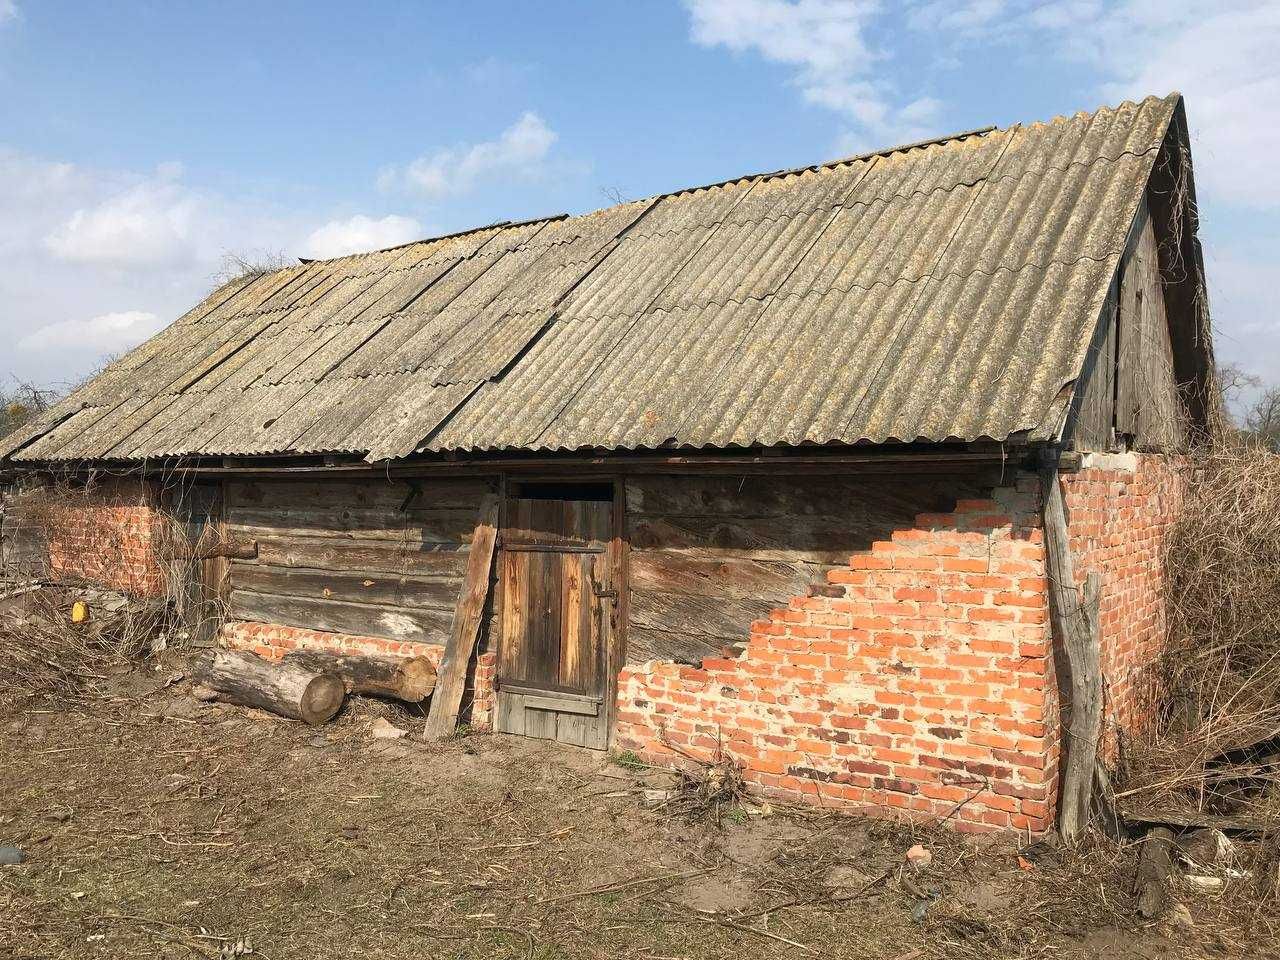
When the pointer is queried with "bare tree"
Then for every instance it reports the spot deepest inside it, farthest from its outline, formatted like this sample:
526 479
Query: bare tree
1253 403
22 403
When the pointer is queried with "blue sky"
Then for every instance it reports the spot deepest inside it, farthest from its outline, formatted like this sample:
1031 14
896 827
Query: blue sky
140 143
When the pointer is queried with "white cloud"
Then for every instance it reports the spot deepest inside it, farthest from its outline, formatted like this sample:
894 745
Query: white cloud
150 223
106 334
518 151
825 41
360 234
1221 56
8 11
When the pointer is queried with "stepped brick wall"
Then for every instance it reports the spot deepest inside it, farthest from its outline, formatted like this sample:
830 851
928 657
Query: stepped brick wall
920 678
913 680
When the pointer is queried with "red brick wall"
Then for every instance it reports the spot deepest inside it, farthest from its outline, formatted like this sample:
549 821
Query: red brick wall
106 534
274 641
914 680
1119 507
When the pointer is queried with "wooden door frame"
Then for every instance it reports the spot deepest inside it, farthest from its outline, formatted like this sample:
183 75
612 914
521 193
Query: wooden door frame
617 567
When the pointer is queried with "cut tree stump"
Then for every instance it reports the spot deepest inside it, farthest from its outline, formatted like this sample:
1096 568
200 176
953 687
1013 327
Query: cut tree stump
285 689
405 678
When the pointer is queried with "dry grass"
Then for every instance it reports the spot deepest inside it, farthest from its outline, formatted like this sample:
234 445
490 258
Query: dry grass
44 656
1221 677
156 826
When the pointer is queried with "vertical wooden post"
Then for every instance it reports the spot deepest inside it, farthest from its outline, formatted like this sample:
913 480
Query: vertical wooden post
452 677
1074 618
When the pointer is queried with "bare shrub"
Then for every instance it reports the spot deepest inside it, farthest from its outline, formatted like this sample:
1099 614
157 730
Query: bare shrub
1221 690
44 654
241 266
132 552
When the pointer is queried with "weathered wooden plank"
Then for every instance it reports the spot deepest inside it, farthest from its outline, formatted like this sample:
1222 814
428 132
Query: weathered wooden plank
1074 614
392 623
445 526
465 627
723 619
720 575
647 644
511 644
576 629
364 556
369 588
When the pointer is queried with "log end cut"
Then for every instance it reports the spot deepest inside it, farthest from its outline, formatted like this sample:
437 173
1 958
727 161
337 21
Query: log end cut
322 699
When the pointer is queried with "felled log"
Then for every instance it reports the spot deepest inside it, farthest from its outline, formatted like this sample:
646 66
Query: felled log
286 689
1155 865
410 679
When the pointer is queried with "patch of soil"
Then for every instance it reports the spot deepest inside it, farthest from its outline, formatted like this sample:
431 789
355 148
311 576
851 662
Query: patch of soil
158 826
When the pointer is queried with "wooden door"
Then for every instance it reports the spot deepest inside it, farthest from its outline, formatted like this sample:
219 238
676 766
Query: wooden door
557 604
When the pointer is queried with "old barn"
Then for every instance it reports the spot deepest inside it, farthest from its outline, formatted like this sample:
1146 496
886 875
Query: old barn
767 467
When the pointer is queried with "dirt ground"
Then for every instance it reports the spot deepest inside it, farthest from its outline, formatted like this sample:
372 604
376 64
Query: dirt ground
157 826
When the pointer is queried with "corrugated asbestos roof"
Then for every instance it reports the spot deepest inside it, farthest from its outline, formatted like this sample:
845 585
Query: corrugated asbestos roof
946 291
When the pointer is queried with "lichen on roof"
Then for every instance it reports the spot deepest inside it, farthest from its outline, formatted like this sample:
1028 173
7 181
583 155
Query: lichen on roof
946 290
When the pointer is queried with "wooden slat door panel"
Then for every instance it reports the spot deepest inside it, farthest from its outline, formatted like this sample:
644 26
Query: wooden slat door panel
551 662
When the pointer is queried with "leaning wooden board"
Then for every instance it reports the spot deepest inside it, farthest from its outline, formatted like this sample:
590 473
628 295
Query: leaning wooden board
452 679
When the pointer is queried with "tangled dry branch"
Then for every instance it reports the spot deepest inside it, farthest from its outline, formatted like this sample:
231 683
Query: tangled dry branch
1222 672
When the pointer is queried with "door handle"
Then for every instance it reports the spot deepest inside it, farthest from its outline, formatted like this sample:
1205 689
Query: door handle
607 594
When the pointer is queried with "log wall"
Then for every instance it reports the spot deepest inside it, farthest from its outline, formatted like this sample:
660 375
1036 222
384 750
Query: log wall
369 558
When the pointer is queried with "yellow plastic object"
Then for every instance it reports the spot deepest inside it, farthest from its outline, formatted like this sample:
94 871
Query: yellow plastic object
79 612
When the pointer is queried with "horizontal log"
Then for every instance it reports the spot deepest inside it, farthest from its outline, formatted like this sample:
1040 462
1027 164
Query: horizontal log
645 644
405 678
412 528
392 623
787 496
289 690
369 588
720 576
721 619
364 555
825 540
391 496
235 548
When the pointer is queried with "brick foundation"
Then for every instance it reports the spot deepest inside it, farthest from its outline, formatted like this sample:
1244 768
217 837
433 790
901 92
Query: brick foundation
273 641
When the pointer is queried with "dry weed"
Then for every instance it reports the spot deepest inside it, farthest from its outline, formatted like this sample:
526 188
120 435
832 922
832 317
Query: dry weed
1221 675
